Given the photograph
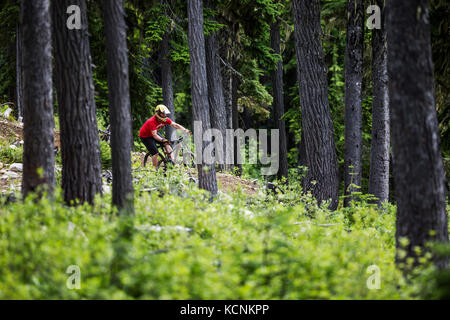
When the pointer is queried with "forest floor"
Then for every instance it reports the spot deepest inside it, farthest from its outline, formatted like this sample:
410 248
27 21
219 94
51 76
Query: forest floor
226 182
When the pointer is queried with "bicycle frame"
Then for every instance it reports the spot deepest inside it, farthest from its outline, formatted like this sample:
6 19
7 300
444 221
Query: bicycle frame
165 157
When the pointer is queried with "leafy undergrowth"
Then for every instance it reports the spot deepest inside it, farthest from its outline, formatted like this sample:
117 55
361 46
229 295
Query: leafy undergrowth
180 245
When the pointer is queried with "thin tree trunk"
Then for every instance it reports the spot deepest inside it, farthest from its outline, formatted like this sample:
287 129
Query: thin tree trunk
80 151
10 59
235 119
167 83
200 105
418 168
227 90
278 101
379 154
353 98
19 69
119 104
246 118
217 106
313 89
38 155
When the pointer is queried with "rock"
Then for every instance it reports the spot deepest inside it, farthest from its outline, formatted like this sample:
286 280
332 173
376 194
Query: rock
2 171
12 147
7 113
1 165
11 175
16 167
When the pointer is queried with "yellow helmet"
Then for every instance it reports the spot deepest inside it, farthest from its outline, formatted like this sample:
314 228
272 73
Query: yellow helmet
161 112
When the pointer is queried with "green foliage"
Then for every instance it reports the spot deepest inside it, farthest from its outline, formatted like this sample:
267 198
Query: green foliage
159 25
9 15
105 152
8 154
179 246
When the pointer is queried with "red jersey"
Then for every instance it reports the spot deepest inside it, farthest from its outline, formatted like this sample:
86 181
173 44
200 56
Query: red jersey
152 124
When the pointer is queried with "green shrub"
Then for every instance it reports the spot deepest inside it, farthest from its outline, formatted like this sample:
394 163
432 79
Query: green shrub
10 155
105 151
178 245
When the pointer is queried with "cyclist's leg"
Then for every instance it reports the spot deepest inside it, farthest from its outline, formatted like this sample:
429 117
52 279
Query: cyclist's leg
170 151
155 160
150 144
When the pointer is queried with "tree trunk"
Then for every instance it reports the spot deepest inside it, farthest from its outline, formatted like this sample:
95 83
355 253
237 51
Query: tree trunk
38 154
10 59
379 154
167 83
19 69
316 119
80 151
353 98
200 106
418 168
278 100
227 92
119 104
217 106
235 119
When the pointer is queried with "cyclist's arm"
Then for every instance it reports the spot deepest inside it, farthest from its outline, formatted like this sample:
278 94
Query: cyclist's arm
178 126
156 136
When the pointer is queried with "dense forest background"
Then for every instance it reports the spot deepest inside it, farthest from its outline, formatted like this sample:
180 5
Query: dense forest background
364 159
244 45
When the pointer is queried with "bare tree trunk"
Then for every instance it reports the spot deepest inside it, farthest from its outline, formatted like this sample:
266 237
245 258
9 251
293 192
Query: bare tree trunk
227 90
418 168
278 101
10 59
80 151
19 69
235 119
217 106
353 98
313 89
167 83
119 104
379 154
200 105
38 155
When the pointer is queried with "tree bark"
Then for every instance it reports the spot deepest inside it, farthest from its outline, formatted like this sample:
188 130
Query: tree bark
418 168
216 98
119 104
10 59
19 69
235 120
379 154
353 98
167 83
227 92
278 101
38 155
313 89
200 106
80 151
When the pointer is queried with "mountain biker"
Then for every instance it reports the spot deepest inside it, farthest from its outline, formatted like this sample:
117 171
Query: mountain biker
149 132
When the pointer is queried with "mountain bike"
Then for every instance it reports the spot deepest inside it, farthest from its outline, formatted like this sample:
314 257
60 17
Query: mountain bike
181 154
